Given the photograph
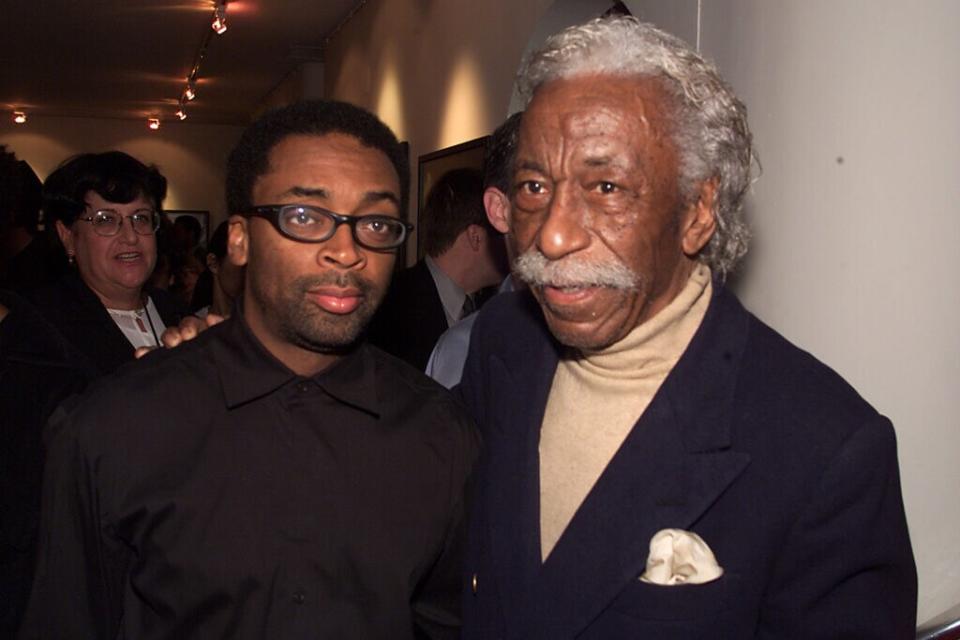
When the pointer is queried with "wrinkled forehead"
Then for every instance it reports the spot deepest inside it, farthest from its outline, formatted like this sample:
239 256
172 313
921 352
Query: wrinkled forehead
599 110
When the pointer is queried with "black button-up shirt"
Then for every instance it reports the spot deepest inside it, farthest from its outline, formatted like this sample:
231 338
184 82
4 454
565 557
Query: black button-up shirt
209 492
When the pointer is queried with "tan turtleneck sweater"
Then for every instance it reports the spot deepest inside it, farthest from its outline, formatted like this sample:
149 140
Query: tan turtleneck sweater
597 398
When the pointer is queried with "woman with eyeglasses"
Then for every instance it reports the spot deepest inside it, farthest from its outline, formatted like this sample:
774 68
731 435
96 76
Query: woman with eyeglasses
106 210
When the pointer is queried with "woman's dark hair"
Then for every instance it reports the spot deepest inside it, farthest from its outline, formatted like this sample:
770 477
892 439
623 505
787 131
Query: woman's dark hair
114 176
249 160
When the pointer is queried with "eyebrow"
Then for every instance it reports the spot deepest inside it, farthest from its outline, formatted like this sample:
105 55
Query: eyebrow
529 165
369 197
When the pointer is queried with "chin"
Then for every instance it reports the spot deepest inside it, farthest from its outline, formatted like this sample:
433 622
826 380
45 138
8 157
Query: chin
581 337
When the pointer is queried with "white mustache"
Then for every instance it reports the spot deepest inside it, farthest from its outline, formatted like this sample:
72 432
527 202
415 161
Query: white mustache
535 269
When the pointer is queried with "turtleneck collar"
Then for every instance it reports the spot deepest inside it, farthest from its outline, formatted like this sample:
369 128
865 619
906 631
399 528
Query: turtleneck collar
655 345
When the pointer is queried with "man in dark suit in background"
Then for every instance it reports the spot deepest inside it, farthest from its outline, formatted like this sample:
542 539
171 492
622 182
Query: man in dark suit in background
658 463
464 255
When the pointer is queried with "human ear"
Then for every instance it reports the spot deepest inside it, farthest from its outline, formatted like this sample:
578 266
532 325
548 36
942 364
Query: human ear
66 237
700 220
497 205
238 240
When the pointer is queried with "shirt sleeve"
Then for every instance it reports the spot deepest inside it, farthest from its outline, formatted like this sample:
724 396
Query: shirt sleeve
78 585
847 570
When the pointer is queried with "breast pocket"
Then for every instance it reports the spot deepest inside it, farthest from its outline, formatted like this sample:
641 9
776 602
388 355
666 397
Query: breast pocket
645 601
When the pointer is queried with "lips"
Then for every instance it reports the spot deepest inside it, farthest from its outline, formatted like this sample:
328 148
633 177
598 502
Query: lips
336 300
128 256
564 296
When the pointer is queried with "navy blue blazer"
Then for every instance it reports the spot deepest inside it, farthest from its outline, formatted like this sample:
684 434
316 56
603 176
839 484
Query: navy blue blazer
789 476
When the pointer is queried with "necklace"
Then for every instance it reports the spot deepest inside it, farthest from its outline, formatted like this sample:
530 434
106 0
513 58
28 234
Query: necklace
135 317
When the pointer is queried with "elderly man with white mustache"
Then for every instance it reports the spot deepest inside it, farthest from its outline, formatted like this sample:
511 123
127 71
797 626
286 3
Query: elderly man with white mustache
657 462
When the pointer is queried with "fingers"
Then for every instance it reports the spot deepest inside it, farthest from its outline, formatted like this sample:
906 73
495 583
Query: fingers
188 329
142 351
213 319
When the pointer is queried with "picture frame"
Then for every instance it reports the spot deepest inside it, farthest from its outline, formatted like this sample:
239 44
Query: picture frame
203 217
431 166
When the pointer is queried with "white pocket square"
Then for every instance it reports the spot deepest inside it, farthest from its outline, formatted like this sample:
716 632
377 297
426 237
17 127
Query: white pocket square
680 557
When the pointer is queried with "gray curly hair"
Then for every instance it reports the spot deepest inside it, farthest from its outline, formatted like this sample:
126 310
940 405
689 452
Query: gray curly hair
709 122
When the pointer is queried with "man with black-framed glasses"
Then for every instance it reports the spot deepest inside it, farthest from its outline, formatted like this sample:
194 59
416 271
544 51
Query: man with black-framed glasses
276 477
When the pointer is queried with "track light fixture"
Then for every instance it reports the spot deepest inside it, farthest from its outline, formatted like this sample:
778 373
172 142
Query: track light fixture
153 123
19 117
181 114
190 92
219 24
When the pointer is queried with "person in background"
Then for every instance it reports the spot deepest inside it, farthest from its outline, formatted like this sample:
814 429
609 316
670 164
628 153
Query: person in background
28 258
38 369
658 462
221 283
464 255
446 361
277 477
106 209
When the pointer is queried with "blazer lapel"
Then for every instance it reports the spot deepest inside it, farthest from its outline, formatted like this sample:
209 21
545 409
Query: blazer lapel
672 466
522 382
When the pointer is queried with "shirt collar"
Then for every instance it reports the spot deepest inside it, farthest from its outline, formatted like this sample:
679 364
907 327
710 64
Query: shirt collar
248 371
451 295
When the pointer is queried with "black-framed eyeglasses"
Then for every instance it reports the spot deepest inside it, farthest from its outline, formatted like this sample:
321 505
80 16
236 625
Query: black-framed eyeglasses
107 222
306 223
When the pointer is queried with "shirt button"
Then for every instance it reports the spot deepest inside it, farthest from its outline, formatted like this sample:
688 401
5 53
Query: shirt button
303 387
299 597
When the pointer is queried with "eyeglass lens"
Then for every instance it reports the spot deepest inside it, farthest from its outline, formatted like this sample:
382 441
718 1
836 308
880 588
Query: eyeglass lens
107 222
315 224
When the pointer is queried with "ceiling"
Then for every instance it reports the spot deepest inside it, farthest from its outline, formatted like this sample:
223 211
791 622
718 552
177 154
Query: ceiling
130 58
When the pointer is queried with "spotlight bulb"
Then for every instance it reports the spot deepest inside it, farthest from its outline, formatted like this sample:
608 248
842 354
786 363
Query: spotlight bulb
219 23
153 123
189 92
19 117
181 114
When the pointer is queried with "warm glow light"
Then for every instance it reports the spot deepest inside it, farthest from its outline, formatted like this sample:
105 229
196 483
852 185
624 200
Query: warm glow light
181 114
464 107
389 102
153 123
219 23
19 117
189 93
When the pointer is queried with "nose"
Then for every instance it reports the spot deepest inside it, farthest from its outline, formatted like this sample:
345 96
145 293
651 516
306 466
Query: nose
564 230
126 233
341 250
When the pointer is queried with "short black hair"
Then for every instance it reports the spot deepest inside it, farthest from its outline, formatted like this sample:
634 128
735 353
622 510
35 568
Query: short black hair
454 203
19 192
250 158
113 175
218 241
499 154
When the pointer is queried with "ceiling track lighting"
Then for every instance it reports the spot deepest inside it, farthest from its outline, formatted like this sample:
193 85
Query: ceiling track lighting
153 123
219 24
19 117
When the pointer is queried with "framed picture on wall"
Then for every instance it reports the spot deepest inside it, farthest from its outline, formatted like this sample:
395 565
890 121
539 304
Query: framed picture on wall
431 166
203 217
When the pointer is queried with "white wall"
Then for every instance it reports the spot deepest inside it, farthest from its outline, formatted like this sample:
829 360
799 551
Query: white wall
855 109
193 157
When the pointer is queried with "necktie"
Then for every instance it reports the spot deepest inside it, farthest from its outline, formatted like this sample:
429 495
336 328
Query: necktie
469 306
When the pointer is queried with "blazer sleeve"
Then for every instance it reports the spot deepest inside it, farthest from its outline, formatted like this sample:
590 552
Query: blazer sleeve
847 568
78 585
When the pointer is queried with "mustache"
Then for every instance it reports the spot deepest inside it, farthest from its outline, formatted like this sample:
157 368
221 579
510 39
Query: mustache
536 269
343 280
